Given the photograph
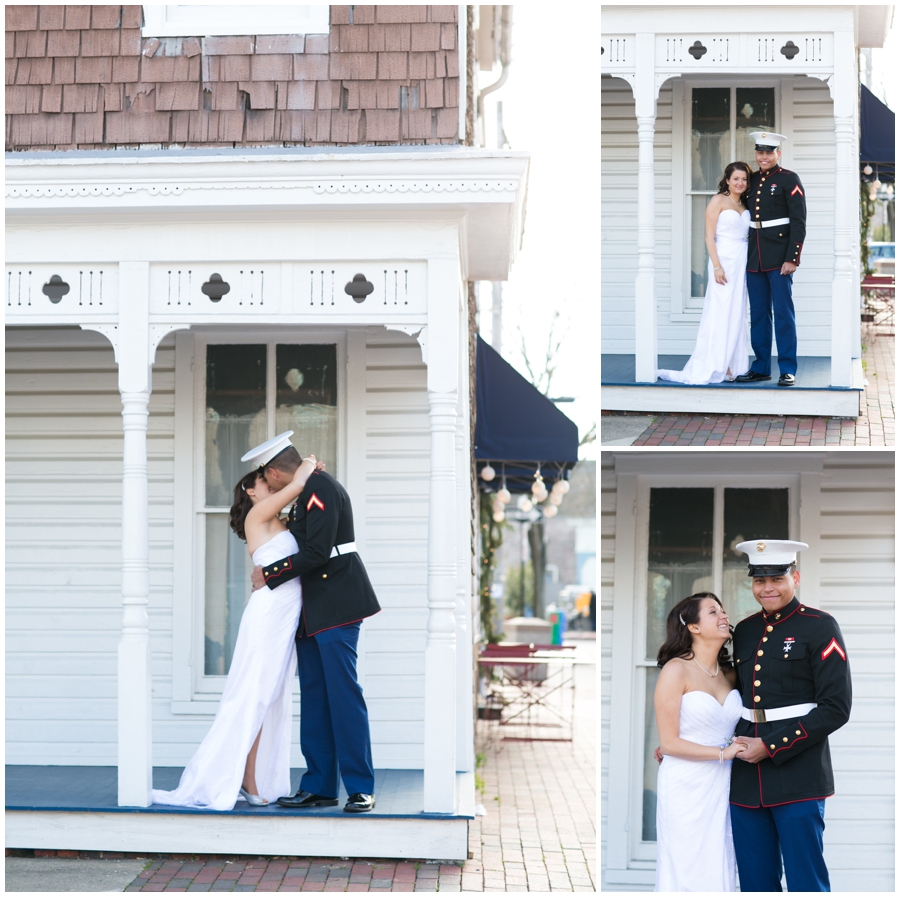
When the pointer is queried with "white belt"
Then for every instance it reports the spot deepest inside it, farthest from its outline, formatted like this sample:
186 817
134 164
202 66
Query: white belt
772 223
346 548
779 713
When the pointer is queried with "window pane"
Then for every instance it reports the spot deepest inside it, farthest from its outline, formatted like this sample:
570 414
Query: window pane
306 399
235 415
228 567
699 266
679 554
651 767
749 514
710 135
755 111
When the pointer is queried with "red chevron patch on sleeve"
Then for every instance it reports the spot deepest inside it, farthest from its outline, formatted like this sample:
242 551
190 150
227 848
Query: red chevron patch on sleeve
834 646
796 190
315 500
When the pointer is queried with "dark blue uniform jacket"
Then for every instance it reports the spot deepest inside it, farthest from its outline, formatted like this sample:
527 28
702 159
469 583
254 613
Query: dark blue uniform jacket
771 195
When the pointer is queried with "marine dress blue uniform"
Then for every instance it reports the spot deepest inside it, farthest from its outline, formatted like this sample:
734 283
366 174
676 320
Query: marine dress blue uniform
794 680
337 596
777 203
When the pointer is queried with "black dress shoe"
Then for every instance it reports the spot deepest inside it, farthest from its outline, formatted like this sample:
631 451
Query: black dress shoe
751 377
303 799
786 380
359 803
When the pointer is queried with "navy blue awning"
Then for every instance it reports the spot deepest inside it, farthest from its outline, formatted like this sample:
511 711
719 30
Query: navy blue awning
516 427
876 135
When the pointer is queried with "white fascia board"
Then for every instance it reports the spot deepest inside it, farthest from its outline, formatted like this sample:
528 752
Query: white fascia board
486 187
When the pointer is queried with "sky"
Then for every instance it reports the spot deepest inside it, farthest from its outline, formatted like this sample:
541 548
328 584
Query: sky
551 108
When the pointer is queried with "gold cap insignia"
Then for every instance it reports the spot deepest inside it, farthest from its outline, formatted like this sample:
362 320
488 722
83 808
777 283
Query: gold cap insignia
760 546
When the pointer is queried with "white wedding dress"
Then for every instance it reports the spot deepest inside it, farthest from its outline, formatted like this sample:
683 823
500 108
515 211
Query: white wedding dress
694 850
257 693
722 343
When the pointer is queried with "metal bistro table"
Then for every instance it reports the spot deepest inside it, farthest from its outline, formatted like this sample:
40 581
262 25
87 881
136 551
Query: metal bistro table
530 692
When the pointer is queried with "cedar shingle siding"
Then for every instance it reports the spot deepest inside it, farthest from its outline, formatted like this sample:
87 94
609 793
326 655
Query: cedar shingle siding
81 77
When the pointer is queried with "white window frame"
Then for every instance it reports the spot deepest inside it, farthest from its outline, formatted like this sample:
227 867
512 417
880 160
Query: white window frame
186 20
193 690
636 472
682 308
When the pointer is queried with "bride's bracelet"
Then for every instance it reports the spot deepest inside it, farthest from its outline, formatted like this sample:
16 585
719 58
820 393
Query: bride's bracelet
721 756
718 268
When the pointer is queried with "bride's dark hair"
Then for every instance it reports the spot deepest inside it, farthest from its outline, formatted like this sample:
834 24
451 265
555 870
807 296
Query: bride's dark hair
242 502
729 171
679 639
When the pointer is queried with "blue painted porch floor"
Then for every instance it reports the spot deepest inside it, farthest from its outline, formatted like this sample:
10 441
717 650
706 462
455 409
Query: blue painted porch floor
398 793
813 372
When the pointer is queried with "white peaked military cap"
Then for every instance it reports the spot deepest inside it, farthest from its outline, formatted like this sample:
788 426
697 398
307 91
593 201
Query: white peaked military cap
767 139
263 454
771 557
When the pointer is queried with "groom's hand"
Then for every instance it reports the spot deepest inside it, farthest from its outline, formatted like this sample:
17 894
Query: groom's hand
755 752
257 579
788 268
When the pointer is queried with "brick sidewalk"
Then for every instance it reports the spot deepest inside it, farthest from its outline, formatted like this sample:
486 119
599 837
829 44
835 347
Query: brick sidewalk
539 833
874 426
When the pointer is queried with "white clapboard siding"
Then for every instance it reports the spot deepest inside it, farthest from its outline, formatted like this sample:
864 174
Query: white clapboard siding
397 453
856 585
63 529
811 155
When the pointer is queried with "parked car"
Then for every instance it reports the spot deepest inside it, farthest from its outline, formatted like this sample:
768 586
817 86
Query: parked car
881 256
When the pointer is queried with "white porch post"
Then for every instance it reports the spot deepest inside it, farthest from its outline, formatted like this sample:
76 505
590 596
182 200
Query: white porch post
134 691
844 305
442 359
645 340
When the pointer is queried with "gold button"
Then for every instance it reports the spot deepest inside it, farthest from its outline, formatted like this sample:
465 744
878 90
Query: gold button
757 699
769 628
324 576
765 638
777 616
784 739
797 732
785 657
772 746
757 667
757 683
802 609
759 653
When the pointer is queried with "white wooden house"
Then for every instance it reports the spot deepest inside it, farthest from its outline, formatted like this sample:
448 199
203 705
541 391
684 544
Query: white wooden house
682 86
166 306
669 523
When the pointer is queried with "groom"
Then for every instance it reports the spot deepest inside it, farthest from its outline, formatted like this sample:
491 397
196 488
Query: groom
794 680
337 596
777 204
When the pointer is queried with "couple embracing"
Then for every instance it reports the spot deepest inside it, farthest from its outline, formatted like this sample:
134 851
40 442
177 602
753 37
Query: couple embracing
768 205
311 592
745 765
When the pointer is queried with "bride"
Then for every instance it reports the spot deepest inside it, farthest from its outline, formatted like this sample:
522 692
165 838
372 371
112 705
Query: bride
252 728
697 707
721 352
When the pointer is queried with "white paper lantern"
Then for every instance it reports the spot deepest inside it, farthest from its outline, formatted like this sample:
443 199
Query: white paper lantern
488 473
537 486
541 494
550 511
499 516
525 504
561 486
504 496
555 498
498 506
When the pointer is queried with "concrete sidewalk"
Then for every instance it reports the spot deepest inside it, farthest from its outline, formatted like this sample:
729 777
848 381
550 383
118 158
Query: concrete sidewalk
874 426
539 834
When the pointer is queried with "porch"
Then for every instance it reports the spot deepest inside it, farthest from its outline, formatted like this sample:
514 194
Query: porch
76 808
812 395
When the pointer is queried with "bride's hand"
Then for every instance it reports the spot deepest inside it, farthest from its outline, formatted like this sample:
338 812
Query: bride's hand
733 749
302 471
720 277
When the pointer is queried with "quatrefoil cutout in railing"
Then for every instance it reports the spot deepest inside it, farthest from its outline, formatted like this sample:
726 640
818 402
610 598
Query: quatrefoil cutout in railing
697 50
215 288
359 288
55 289
790 50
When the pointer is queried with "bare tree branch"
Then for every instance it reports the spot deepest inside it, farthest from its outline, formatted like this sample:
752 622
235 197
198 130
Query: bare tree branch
589 437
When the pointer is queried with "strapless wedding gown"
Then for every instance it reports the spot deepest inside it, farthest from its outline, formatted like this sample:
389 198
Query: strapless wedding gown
694 850
722 339
257 693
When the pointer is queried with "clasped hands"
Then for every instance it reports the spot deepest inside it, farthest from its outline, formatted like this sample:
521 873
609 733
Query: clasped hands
750 750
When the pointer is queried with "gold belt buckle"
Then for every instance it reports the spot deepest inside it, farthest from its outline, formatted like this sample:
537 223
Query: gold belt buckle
759 716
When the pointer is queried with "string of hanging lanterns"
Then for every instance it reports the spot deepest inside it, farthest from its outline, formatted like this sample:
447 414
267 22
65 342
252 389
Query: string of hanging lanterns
549 500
